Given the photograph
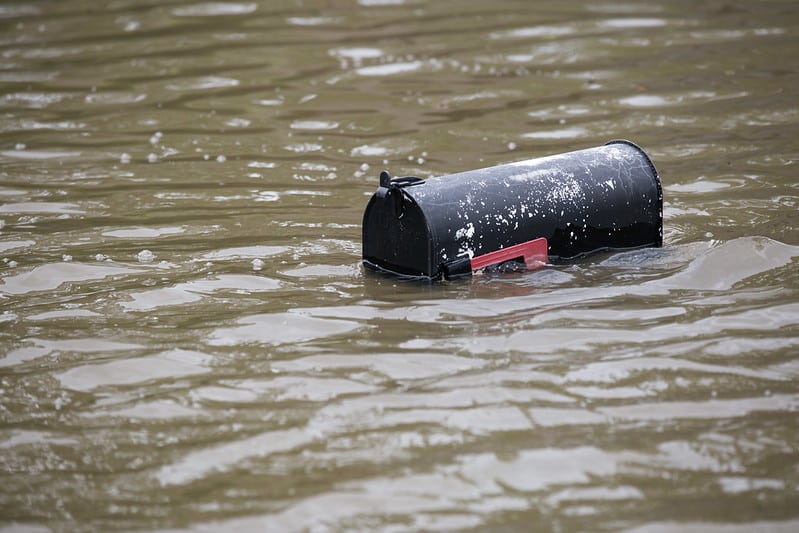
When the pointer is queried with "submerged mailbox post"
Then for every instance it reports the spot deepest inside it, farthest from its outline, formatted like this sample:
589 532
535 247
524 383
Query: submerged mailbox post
557 207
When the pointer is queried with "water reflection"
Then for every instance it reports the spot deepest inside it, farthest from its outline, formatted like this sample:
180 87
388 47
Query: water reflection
51 276
173 364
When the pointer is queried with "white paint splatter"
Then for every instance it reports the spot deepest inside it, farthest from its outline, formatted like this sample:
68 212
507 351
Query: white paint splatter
466 232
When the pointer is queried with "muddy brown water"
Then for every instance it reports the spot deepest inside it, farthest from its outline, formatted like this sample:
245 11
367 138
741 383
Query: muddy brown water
188 340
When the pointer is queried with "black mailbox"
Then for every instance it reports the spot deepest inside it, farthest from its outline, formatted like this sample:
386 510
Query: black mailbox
556 207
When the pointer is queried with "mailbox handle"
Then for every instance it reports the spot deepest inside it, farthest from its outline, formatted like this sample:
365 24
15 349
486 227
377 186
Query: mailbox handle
533 252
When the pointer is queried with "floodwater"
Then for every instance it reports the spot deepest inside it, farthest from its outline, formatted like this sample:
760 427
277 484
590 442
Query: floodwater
189 342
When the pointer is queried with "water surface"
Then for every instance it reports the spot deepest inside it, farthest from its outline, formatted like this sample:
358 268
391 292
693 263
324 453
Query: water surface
188 340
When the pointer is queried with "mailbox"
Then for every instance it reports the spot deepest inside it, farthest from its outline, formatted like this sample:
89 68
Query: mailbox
530 213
